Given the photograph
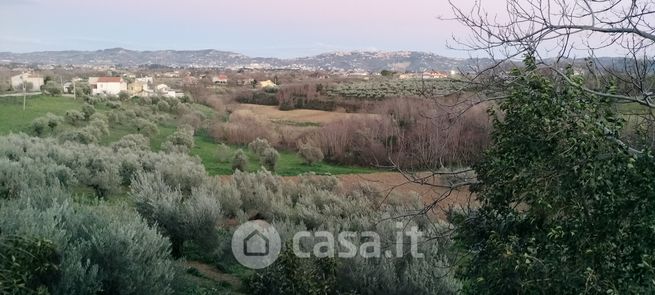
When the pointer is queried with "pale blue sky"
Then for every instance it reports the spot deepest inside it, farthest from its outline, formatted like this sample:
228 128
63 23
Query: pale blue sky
282 28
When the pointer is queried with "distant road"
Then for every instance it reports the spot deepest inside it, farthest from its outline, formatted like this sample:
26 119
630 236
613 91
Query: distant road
20 94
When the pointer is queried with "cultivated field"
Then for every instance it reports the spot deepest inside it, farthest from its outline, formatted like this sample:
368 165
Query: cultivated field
299 115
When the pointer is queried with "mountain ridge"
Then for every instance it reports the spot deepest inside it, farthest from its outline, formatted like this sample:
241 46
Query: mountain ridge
212 58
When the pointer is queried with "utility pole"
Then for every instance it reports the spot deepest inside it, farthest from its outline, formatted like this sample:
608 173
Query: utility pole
24 94
74 90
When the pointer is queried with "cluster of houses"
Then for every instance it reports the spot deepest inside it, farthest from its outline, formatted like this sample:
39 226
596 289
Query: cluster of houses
99 85
424 75
140 87
145 86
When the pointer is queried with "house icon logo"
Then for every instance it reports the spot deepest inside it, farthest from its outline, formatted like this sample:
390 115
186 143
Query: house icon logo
256 244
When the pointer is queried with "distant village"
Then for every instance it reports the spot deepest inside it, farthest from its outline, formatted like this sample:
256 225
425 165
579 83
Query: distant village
171 83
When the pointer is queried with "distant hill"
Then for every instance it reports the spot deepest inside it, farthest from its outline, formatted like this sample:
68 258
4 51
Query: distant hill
350 61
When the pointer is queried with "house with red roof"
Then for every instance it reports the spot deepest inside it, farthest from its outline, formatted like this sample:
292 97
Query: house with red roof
220 79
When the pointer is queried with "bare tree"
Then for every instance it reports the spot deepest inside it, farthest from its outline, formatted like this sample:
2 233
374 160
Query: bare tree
611 42
561 30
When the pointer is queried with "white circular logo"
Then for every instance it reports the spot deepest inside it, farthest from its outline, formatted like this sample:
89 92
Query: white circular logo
256 244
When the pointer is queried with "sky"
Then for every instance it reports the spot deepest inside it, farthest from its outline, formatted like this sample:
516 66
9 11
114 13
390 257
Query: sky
279 28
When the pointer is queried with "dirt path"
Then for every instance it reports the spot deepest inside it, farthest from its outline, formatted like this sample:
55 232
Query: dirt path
212 273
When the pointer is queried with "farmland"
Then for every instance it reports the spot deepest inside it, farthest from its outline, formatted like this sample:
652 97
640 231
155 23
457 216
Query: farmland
378 89
14 119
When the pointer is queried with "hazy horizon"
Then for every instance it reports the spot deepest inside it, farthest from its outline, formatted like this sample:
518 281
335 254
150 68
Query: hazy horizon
221 50
283 29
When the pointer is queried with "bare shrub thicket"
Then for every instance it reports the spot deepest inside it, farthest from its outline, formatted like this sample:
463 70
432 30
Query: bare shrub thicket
357 140
410 133
242 128
407 132
309 153
432 135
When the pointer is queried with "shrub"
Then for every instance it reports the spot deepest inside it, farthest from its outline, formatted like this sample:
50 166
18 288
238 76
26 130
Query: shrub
98 127
242 128
177 170
240 161
74 117
180 141
310 154
290 274
180 218
223 153
258 146
123 95
93 100
88 111
269 158
53 121
116 117
133 142
228 195
114 104
39 126
27 265
163 106
26 162
322 182
84 136
100 173
108 249
580 221
99 116
52 88
257 97
146 127
191 119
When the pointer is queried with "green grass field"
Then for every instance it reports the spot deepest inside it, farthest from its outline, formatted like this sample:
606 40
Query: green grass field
288 164
14 119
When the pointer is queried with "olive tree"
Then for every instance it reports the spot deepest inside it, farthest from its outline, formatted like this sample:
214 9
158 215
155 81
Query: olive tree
258 146
269 158
181 218
240 161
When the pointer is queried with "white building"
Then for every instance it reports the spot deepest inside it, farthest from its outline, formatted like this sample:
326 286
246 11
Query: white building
164 90
29 78
107 85
145 80
266 84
